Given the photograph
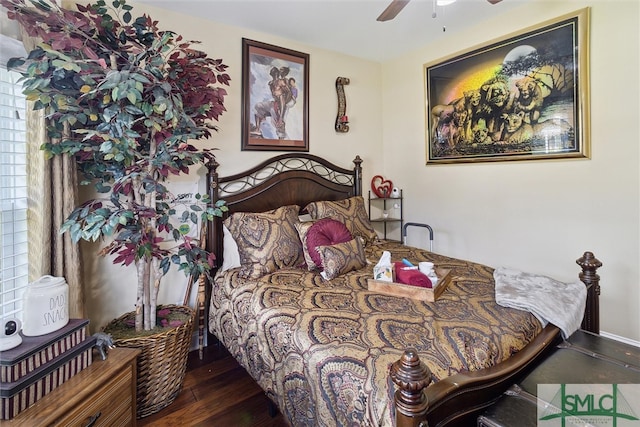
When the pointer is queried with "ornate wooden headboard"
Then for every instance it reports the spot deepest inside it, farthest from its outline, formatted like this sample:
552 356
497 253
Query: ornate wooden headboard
287 179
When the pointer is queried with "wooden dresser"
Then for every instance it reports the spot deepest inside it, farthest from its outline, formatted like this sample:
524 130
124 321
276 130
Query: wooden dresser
103 394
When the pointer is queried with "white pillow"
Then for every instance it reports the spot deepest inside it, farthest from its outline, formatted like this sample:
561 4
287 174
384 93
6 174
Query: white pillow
231 255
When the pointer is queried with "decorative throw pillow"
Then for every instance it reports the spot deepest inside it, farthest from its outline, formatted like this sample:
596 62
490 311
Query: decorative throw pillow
303 228
266 241
324 232
342 258
351 212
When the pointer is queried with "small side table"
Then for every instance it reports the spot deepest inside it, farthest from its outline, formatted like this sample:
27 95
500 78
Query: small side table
382 205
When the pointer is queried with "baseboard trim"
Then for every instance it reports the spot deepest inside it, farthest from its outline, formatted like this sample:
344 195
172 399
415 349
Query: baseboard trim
619 338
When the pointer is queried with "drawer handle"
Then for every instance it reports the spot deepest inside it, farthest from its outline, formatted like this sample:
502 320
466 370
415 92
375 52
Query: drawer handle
93 419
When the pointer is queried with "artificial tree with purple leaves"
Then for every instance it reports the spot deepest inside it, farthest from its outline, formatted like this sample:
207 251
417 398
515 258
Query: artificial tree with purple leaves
125 99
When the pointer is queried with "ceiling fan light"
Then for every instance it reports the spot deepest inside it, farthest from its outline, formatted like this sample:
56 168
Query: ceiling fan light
444 2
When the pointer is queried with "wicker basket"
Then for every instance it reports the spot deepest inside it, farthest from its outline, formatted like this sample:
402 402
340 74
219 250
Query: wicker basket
162 362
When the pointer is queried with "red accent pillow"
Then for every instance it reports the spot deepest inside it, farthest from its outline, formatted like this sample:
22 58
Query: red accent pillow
325 232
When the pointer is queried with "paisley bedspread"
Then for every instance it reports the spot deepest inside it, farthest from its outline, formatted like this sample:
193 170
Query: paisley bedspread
321 350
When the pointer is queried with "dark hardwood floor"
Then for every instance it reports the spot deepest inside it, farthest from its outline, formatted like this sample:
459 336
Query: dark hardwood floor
216 392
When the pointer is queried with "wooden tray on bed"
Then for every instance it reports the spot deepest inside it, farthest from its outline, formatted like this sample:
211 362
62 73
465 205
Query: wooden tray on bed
414 292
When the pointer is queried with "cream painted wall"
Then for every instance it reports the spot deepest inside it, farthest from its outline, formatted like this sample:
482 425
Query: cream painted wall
111 290
536 216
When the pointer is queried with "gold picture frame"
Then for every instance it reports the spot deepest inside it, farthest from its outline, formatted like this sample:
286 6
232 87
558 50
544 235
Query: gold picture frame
522 97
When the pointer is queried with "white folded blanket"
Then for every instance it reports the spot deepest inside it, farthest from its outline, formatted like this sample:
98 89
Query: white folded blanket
551 301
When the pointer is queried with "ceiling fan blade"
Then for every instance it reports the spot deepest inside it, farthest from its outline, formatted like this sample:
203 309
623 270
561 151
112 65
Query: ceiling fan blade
392 10
494 1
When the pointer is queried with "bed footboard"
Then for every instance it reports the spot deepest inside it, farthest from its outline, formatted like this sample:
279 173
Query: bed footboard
458 399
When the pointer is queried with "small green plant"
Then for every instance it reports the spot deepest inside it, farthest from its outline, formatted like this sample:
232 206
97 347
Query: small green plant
126 100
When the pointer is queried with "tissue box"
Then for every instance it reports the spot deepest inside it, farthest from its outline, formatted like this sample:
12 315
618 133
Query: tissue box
383 273
414 292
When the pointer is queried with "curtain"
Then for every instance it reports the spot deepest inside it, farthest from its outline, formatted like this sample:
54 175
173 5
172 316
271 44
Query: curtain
52 195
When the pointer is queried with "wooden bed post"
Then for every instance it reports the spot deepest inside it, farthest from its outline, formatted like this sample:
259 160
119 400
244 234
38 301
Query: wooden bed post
589 264
357 176
213 243
411 376
214 237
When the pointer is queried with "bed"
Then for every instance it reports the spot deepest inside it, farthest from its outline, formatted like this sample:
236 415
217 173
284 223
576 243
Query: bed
325 349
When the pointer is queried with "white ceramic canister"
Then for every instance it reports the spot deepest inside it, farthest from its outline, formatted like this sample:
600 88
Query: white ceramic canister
45 306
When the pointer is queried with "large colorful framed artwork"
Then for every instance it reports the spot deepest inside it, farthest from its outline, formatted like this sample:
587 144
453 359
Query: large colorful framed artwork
275 98
522 97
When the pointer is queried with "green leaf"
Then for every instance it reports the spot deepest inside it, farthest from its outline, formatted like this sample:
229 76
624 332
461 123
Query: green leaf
164 265
85 211
132 109
46 48
66 65
140 78
76 232
66 226
132 97
147 108
15 63
101 188
112 80
103 212
107 229
184 229
42 5
106 146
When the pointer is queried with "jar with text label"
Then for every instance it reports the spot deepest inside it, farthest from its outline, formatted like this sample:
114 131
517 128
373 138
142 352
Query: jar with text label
45 306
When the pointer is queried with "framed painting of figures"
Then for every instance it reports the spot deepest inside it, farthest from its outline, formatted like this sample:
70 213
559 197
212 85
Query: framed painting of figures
275 98
522 97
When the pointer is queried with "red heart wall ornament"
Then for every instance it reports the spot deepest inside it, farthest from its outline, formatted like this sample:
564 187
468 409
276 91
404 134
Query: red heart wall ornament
381 187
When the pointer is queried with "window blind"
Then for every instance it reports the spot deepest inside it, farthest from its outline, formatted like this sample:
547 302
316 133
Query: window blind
13 195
